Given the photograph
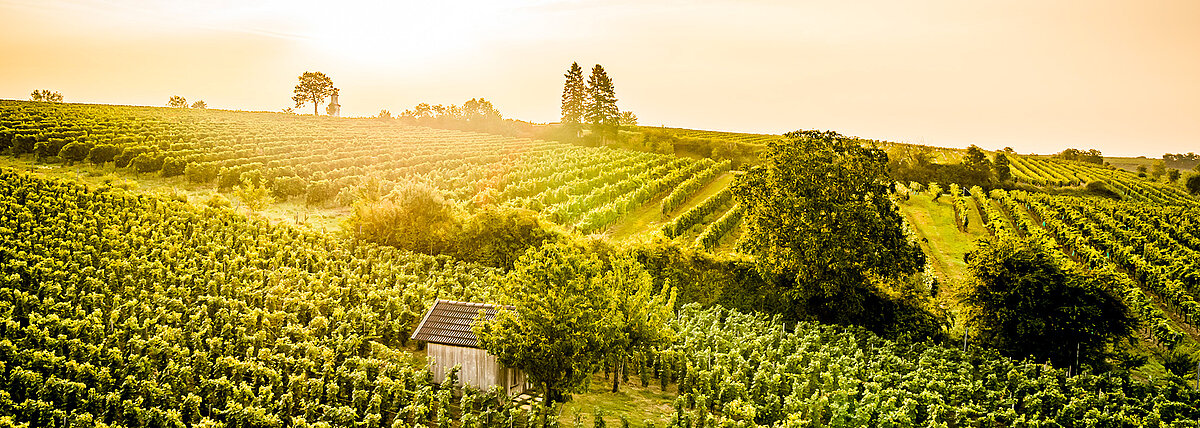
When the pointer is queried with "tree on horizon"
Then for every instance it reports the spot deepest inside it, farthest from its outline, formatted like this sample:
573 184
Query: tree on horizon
574 98
313 88
46 95
177 101
601 106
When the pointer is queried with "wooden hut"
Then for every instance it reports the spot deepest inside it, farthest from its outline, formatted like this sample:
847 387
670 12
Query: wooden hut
446 329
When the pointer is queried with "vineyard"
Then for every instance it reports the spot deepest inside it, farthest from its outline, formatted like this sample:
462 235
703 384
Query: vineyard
1058 173
334 162
128 310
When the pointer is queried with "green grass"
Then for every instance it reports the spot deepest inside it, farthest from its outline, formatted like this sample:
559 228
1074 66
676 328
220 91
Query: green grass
649 217
636 403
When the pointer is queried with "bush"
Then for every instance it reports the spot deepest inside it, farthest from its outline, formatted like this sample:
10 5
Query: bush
126 156
147 162
228 178
1193 184
103 153
200 173
173 166
74 152
22 144
49 148
286 187
320 191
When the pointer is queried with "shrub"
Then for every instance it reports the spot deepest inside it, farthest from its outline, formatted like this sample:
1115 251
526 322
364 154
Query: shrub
173 166
147 162
74 152
200 172
286 187
103 153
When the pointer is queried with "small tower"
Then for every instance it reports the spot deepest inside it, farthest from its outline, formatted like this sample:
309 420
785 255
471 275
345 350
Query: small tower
334 109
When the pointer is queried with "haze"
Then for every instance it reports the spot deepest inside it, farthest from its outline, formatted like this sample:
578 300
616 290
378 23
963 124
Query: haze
1117 76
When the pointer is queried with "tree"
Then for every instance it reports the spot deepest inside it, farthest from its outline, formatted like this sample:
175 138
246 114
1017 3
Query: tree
480 111
1002 169
628 119
75 152
313 88
498 235
1173 175
820 221
1158 169
574 98
255 196
177 101
639 316
601 107
414 217
978 167
200 104
1026 303
46 95
1193 184
557 329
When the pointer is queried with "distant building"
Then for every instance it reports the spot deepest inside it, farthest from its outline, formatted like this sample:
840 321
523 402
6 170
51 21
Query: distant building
334 109
446 329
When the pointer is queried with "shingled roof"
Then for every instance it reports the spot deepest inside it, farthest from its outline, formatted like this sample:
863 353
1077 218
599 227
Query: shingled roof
449 322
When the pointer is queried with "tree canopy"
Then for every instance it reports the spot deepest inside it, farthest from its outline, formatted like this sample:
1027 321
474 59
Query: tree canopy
574 97
558 328
46 95
177 101
601 108
313 88
818 217
1026 303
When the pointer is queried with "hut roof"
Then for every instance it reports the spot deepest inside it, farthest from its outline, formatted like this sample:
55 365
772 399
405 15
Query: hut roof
449 322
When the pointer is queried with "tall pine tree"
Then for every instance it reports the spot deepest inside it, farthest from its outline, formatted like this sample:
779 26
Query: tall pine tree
601 109
573 99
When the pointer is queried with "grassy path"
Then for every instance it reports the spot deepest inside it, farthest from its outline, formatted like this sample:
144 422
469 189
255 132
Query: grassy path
649 217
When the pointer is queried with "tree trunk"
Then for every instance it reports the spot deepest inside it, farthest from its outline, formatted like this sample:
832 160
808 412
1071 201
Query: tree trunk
315 104
617 365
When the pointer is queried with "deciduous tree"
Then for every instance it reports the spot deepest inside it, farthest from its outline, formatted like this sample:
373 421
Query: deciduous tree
1026 303
177 101
639 316
200 104
1000 166
46 95
313 88
819 219
558 328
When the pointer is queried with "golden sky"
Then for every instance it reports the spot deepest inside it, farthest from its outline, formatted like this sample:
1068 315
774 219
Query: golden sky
1039 76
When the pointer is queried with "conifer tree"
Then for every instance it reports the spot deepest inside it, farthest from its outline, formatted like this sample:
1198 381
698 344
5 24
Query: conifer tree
601 109
573 99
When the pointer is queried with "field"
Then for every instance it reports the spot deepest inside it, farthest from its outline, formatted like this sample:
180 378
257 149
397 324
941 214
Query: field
131 299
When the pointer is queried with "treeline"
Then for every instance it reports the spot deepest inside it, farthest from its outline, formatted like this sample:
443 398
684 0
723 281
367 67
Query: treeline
910 163
1089 156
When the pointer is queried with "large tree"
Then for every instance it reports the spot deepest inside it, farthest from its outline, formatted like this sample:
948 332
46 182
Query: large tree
558 328
1193 183
313 88
574 98
1002 168
601 108
819 220
1025 302
977 169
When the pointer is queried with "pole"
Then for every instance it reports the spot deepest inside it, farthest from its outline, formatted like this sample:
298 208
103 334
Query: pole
966 332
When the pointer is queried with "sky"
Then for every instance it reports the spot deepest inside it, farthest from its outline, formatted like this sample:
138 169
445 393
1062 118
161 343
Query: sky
1119 76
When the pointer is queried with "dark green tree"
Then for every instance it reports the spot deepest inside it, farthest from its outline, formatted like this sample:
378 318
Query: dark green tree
977 167
559 326
819 218
499 235
639 315
1002 169
574 99
313 88
601 107
1025 303
177 101
1173 175
46 95
1193 184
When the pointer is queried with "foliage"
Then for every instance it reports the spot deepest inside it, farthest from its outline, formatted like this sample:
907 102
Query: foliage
639 317
818 216
1025 303
627 119
200 172
177 101
199 104
103 153
557 329
497 236
173 166
75 151
600 108
254 196
574 98
1001 168
313 88
1193 184
1088 156
977 166
415 217
46 95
